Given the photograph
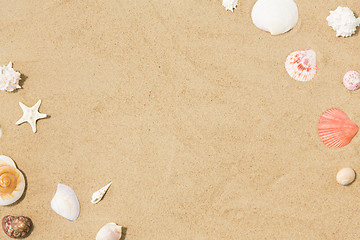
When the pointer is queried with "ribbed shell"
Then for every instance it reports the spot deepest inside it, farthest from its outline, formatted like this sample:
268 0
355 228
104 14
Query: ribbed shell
336 129
301 65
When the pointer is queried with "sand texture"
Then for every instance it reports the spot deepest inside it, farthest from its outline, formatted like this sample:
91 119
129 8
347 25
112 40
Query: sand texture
188 110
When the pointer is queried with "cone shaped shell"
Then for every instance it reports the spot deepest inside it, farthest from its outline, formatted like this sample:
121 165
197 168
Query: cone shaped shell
301 65
336 129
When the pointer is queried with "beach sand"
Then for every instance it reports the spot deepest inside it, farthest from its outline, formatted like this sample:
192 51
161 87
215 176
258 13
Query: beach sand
188 110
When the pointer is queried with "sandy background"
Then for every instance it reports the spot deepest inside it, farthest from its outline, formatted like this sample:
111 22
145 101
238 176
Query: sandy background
188 109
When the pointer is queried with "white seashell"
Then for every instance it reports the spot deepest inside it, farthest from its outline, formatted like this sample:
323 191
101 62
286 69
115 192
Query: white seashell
275 16
110 231
345 176
343 21
12 181
98 195
65 203
9 78
230 4
301 65
351 80
5 160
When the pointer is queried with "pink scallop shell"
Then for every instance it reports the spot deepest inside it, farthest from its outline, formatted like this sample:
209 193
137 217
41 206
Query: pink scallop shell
351 80
301 65
336 129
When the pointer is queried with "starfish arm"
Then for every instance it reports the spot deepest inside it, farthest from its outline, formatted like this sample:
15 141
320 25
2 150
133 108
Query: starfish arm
20 121
33 126
40 115
37 105
23 107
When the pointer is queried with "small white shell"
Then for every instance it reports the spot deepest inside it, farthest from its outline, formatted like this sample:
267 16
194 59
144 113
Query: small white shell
345 176
9 78
351 80
230 4
65 202
98 195
343 21
275 16
110 231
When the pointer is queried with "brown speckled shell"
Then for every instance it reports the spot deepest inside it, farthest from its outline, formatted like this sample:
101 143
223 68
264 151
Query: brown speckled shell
16 227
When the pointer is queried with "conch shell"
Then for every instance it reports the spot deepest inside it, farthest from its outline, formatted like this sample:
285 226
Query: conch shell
343 21
230 4
98 195
16 227
12 181
65 202
9 78
110 231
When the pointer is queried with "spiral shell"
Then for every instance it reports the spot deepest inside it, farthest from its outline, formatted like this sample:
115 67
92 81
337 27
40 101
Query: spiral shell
17 227
12 181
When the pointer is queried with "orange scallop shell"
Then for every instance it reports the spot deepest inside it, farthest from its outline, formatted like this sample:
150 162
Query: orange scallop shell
336 129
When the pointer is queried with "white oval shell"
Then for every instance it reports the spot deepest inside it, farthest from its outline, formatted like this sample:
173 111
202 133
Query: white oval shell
230 4
275 16
110 231
351 80
65 202
98 195
345 176
9 78
343 21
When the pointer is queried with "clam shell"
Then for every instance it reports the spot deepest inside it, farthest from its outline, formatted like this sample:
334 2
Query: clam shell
345 176
98 195
275 16
351 80
301 65
336 129
65 202
16 227
110 231
12 181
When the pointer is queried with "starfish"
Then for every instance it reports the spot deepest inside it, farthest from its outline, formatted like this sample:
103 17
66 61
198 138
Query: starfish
31 115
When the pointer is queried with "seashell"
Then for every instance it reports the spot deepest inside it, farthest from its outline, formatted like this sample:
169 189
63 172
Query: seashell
9 78
65 202
17 227
12 181
230 4
110 231
343 21
351 80
345 176
275 16
98 195
336 129
301 65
